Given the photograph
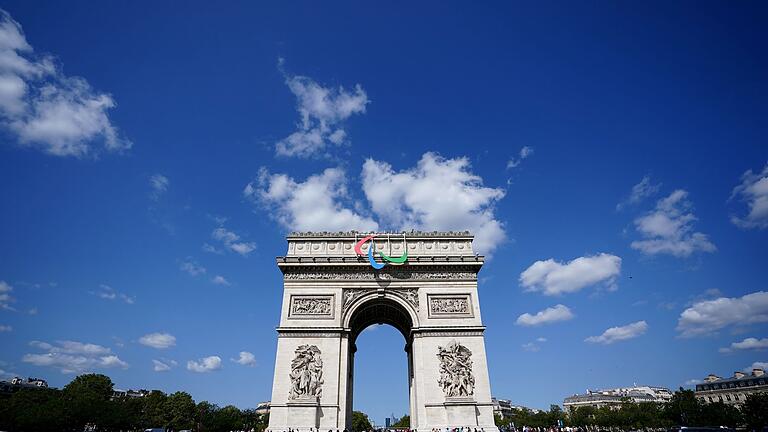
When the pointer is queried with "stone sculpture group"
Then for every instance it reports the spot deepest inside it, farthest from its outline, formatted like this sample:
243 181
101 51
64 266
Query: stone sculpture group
306 373
456 377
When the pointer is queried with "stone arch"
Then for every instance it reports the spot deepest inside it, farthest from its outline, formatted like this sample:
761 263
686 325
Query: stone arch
380 308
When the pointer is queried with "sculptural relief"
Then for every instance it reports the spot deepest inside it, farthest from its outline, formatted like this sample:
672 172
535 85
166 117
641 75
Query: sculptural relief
306 373
311 306
449 305
456 377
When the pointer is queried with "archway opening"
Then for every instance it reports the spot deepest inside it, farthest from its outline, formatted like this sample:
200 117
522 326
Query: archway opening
381 378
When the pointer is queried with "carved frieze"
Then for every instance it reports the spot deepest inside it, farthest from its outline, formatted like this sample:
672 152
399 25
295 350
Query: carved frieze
306 373
311 306
411 295
447 306
350 295
456 378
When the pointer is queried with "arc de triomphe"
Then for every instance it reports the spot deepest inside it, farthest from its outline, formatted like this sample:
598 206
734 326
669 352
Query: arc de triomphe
426 289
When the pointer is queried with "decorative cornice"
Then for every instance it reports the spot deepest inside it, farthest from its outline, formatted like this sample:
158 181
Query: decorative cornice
436 272
347 234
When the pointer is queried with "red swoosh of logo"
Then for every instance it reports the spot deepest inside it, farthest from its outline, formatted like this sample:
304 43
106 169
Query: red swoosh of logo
360 244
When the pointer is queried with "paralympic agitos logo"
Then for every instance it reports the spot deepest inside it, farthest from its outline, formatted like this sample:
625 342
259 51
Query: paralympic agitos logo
386 258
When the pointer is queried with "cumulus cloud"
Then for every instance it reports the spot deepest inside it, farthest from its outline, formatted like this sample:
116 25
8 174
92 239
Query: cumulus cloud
246 359
615 334
5 328
753 190
524 153
317 204
706 317
323 111
46 109
192 268
163 365
5 296
747 344
668 229
73 356
232 241
547 316
220 280
437 194
158 184
108 293
158 340
639 192
553 278
206 364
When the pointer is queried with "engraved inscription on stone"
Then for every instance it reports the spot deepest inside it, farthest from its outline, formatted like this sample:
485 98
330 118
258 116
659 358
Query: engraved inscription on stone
306 373
311 306
456 377
453 305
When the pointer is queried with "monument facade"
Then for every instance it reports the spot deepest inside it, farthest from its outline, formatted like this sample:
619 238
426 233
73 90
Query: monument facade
423 284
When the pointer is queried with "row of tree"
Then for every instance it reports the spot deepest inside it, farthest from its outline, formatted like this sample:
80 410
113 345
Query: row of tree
683 410
88 402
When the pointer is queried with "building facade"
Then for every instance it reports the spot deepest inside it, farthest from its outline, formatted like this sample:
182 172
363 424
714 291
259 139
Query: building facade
615 397
424 284
733 390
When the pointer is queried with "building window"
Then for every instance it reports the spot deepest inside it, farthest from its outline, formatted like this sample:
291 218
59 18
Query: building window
728 397
736 396
710 398
719 398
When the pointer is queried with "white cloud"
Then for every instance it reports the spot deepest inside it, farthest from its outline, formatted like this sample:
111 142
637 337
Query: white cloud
232 241
5 296
74 357
323 111
553 278
46 109
530 347
206 364
534 346
615 334
163 365
437 194
108 293
158 340
192 268
220 280
313 205
747 344
245 359
547 316
668 229
692 382
524 153
159 185
754 191
640 191
706 317
5 328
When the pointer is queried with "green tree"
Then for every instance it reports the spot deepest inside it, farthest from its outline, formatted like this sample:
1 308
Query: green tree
87 400
405 421
683 409
755 411
360 422
179 411
153 412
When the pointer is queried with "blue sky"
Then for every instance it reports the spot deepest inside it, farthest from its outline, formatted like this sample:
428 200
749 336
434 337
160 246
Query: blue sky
610 157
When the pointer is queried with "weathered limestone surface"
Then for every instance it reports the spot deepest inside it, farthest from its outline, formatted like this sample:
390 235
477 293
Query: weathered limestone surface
330 295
